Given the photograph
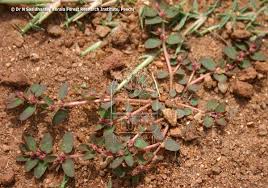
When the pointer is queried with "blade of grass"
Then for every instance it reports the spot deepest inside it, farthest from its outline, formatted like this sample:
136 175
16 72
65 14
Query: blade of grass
149 59
91 48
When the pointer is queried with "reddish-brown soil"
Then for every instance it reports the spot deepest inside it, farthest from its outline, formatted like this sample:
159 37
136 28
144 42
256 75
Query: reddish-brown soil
233 156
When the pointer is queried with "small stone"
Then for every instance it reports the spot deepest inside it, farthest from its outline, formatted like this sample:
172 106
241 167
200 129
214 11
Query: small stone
190 133
198 117
209 83
179 88
18 40
147 179
7 178
8 65
240 34
68 43
34 57
223 87
119 36
229 27
170 115
261 67
16 79
102 31
175 132
54 31
262 130
113 61
242 89
247 74
216 170
250 124
159 64
6 148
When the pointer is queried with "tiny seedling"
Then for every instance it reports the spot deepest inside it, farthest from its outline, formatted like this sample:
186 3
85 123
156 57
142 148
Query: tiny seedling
215 114
40 158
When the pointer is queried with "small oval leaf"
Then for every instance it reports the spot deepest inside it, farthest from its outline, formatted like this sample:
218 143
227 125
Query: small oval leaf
208 121
14 103
230 52
29 165
28 112
140 143
152 43
30 143
63 91
117 162
46 143
40 170
67 143
68 167
171 145
208 63
60 116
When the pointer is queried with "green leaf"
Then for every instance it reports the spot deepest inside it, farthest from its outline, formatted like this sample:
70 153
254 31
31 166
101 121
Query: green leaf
194 101
162 74
149 12
172 11
119 172
220 77
172 93
221 122
48 101
156 105
60 116
208 63
30 143
180 113
208 121
68 167
14 103
140 143
152 43
194 88
30 164
38 89
181 23
88 155
244 64
129 160
63 91
220 108
156 131
258 56
171 145
67 143
117 162
111 142
46 143
153 21
174 38
40 170
28 112
212 104
230 52
21 159
187 111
